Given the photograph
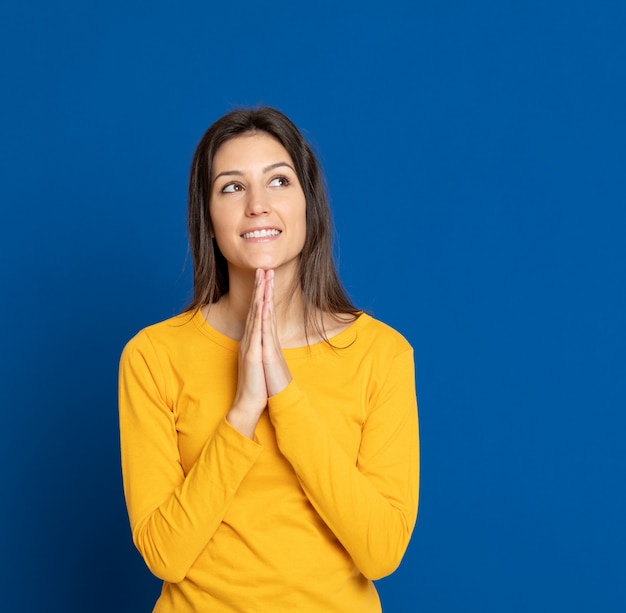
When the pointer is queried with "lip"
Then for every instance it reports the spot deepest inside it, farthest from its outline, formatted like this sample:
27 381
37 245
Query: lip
265 234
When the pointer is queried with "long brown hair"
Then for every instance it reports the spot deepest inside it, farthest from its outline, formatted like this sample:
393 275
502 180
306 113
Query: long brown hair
317 276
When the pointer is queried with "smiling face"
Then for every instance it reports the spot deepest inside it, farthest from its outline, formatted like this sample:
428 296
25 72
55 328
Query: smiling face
257 206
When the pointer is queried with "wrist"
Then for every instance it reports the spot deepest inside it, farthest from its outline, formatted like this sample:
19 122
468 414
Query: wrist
243 421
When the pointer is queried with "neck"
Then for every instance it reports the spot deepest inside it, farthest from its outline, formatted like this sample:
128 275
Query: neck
229 314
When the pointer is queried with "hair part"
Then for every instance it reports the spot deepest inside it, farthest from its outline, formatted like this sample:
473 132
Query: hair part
317 276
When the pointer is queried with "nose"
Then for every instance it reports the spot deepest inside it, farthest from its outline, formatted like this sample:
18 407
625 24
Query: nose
257 202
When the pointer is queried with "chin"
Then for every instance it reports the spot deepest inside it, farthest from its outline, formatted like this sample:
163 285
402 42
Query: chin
265 263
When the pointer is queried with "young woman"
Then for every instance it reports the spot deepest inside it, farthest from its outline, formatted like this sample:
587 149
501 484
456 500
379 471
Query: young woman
269 433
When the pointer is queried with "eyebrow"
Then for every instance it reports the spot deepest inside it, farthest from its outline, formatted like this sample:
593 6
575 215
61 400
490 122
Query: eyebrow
238 173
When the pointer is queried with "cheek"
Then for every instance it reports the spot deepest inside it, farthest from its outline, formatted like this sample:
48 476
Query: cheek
303 221
219 234
220 221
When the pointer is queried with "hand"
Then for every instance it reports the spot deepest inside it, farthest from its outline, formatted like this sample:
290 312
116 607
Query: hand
262 369
277 375
251 395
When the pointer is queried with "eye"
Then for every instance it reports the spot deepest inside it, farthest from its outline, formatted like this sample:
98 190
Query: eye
279 182
231 188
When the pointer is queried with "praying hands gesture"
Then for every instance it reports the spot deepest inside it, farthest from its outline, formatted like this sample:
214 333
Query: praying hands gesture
262 370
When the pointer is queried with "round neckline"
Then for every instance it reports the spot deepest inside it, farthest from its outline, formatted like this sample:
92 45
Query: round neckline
339 340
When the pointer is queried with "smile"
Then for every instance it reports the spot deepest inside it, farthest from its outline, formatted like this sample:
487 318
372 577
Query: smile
261 233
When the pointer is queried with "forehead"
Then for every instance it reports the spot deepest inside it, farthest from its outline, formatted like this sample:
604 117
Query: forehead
248 150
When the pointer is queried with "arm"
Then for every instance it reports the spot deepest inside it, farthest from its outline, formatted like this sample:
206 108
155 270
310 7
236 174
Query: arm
371 507
173 516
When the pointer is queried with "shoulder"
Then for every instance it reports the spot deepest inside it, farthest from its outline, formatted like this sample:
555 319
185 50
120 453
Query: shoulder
164 334
386 358
376 332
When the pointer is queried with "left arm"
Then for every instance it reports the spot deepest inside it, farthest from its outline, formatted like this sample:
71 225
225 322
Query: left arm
371 507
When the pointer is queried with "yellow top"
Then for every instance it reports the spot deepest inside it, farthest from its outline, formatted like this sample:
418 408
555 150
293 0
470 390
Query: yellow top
303 517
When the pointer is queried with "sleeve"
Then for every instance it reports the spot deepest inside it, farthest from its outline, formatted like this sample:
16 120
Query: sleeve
172 515
371 507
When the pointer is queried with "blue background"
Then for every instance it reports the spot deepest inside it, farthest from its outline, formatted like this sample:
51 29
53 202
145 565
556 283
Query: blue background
475 155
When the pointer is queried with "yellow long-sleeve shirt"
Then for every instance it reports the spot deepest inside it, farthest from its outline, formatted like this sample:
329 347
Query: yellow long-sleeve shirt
303 517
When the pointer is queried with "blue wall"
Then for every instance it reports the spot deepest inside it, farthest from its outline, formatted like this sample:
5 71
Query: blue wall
475 154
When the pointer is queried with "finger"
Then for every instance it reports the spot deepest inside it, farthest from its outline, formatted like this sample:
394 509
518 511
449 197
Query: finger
272 350
254 310
270 328
251 394
277 375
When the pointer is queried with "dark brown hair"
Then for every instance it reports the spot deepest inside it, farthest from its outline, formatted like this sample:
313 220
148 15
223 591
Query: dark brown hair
317 276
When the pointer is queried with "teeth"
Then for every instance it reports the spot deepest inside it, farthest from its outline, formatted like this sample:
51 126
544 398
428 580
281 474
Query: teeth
261 233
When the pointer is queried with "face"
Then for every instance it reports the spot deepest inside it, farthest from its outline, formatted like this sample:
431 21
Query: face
258 207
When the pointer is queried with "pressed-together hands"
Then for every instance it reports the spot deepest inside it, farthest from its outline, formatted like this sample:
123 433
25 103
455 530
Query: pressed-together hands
262 370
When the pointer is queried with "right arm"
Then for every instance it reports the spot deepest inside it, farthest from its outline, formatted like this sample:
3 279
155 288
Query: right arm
173 515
